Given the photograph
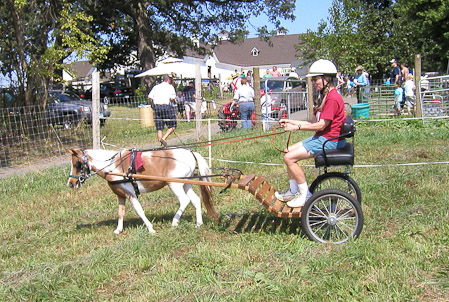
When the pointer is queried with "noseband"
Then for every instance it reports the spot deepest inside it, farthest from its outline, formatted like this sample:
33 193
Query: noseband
82 164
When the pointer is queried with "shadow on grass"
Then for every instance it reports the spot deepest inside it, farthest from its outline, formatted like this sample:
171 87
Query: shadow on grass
136 221
234 222
260 222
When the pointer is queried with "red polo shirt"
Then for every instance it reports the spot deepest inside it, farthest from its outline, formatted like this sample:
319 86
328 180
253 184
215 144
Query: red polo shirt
333 110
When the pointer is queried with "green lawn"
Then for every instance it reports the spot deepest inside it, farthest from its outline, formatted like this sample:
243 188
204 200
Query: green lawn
57 244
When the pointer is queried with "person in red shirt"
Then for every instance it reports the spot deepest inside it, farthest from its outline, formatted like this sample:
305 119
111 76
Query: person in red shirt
329 116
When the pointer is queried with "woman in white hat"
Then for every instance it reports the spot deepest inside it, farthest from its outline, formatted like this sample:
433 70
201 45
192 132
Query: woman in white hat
329 116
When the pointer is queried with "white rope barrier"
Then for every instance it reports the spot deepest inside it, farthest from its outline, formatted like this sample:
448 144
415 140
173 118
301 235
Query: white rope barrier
355 166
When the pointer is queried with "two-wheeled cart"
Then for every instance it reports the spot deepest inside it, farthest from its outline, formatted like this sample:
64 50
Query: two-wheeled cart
333 214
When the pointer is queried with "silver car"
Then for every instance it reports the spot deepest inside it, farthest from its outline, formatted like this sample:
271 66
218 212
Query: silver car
287 94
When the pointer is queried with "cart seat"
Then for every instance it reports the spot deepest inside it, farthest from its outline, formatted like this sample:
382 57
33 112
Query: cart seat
337 157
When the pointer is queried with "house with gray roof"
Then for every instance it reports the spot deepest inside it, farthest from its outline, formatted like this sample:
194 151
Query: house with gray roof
226 57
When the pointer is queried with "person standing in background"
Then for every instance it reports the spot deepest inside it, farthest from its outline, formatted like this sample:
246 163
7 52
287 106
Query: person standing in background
404 72
293 74
244 96
275 73
360 81
162 95
409 88
398 95
267 74
395 72
249 77
189 96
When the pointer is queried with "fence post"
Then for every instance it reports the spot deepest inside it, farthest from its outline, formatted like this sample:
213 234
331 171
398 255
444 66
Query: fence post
309 95
198 100
220 86
95 109
209 126
418 112
258 106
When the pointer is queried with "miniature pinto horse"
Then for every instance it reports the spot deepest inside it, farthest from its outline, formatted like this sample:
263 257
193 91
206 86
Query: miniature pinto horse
170 163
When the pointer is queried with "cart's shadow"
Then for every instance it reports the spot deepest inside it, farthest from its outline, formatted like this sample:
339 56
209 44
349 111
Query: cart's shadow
260 222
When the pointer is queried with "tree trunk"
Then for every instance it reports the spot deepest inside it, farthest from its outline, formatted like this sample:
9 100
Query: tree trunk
145 50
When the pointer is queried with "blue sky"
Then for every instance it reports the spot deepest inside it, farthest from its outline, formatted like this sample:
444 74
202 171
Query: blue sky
308 14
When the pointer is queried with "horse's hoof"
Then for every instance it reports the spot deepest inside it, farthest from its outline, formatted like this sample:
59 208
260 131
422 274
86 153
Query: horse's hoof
199 225
175 223
152 231
117 232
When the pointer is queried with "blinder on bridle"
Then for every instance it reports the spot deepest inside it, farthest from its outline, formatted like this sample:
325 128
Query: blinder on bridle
81 164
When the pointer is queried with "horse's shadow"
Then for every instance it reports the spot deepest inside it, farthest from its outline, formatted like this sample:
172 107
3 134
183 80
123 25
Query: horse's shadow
232 222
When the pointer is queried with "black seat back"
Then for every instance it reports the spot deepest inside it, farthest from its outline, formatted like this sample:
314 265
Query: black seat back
348 127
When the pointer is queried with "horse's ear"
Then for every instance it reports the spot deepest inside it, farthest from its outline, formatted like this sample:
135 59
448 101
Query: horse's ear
72 151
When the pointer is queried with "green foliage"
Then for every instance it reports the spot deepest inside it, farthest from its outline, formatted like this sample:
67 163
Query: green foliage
371 33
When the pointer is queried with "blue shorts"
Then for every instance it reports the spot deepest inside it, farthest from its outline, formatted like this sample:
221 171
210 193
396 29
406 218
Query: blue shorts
314 144
164 115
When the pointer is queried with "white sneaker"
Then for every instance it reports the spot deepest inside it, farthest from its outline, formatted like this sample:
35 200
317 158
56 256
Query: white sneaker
285 196
299 200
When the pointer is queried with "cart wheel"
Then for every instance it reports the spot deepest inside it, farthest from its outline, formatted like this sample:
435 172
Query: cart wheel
332 216
337 180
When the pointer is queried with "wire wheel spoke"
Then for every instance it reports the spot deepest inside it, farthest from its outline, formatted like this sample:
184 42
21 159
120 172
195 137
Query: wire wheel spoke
332 216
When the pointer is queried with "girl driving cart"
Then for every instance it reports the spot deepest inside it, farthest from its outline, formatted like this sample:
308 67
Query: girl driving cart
329 116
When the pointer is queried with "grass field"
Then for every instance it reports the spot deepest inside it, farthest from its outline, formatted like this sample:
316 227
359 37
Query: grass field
57 244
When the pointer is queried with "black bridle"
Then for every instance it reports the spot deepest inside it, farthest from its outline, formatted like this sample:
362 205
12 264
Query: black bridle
83 165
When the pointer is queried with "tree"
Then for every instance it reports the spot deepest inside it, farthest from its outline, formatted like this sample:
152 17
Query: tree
371 33
427 21
38 36
150 28
356 34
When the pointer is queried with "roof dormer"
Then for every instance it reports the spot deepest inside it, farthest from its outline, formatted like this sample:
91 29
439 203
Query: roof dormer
254 52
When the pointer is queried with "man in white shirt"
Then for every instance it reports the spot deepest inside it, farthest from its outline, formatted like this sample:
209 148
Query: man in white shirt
162 95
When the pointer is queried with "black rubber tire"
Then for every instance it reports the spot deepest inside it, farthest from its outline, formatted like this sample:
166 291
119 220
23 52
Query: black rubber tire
337 180
332 216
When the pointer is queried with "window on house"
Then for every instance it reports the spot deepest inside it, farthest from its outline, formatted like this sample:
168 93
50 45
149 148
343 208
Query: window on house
255 52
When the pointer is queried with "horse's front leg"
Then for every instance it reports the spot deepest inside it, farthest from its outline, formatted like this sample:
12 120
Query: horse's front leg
121 214
136 204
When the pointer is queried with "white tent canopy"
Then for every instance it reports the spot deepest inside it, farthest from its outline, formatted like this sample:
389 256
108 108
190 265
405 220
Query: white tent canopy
180 69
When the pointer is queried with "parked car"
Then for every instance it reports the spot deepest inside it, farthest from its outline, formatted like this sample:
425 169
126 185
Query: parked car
68 109
278 88
112 93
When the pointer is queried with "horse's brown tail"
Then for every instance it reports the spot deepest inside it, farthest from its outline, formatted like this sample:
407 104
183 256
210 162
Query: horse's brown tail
206 191
206 196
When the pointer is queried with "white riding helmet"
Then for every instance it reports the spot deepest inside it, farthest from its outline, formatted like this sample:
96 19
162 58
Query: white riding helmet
322 67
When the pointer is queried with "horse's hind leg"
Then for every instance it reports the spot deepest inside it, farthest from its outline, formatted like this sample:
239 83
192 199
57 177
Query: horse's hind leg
136 204
184 200
121 214
196 201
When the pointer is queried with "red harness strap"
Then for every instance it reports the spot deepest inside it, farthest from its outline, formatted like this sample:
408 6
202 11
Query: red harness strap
288 140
